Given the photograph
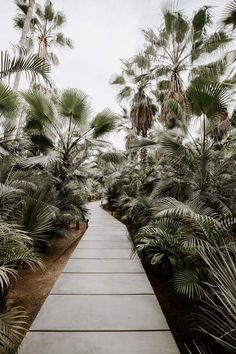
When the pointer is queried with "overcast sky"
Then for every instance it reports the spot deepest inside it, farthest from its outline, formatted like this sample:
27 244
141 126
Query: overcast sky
103 31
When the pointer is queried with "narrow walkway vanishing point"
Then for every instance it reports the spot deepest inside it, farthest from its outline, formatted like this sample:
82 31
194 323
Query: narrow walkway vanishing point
102 303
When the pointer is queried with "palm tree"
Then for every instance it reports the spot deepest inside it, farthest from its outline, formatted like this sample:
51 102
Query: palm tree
177 48
27 6
64 127
142 111
136 92
21 62
43 27
48 24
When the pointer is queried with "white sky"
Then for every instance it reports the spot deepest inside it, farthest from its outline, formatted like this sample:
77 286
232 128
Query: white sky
103 31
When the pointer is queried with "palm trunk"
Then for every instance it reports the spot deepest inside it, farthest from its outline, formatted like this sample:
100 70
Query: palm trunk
23 39
203 157
143 156
10 128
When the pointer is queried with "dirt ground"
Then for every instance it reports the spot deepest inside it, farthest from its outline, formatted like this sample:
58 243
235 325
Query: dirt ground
31 288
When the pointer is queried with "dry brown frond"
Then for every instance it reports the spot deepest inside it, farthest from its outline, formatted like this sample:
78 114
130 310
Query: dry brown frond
175 93
142 116
221 125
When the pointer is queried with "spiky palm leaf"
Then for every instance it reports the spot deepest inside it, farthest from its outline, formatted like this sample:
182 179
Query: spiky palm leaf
217 318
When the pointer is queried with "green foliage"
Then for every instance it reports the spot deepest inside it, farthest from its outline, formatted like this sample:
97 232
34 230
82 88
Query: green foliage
230 15
47 27
103 123
8 101
31 64
74 104
12 326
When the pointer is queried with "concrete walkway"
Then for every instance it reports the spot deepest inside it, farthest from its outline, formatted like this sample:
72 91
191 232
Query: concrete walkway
102 303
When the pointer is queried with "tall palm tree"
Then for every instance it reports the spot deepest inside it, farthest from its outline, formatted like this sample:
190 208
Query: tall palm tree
137 92
48 33
176 49
20 62
43 28
27 6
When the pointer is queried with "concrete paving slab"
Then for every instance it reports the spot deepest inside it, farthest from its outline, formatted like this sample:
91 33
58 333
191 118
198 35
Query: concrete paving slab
104 237
102 253
103 266
100 312
105 244
110 233
100 225
72 283
108 230
99 343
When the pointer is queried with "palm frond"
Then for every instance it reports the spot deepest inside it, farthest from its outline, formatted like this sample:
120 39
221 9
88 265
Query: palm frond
74 104
229 18
13 323
31 64
103 123
189 284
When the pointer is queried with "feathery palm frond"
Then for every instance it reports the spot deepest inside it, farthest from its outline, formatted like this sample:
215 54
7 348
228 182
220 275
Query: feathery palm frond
13 323
30 64
8 101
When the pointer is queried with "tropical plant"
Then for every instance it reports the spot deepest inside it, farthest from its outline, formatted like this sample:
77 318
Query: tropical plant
24 22
229 18
64 127
217 317
177 48
15 248
48 24
32 66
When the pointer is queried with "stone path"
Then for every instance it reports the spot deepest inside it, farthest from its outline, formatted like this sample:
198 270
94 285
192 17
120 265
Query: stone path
102 303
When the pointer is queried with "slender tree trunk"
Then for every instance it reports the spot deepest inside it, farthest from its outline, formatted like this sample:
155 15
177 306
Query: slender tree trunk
203 157
143 156
10 128
23 39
